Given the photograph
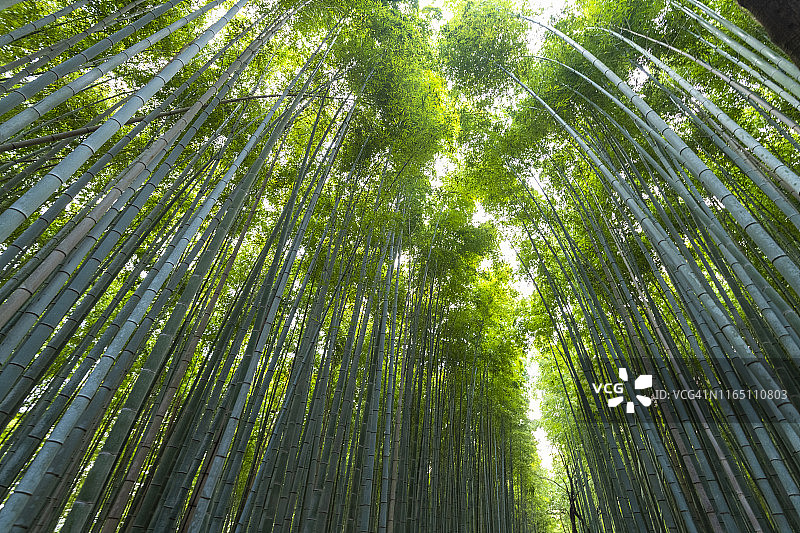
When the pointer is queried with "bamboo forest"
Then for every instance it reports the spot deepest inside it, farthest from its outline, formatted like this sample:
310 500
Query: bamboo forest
400 266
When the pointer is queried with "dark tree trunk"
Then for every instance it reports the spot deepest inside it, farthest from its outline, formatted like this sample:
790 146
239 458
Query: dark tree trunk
781 19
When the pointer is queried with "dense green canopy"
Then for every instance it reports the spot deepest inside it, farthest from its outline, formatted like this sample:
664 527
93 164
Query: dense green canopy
278 266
